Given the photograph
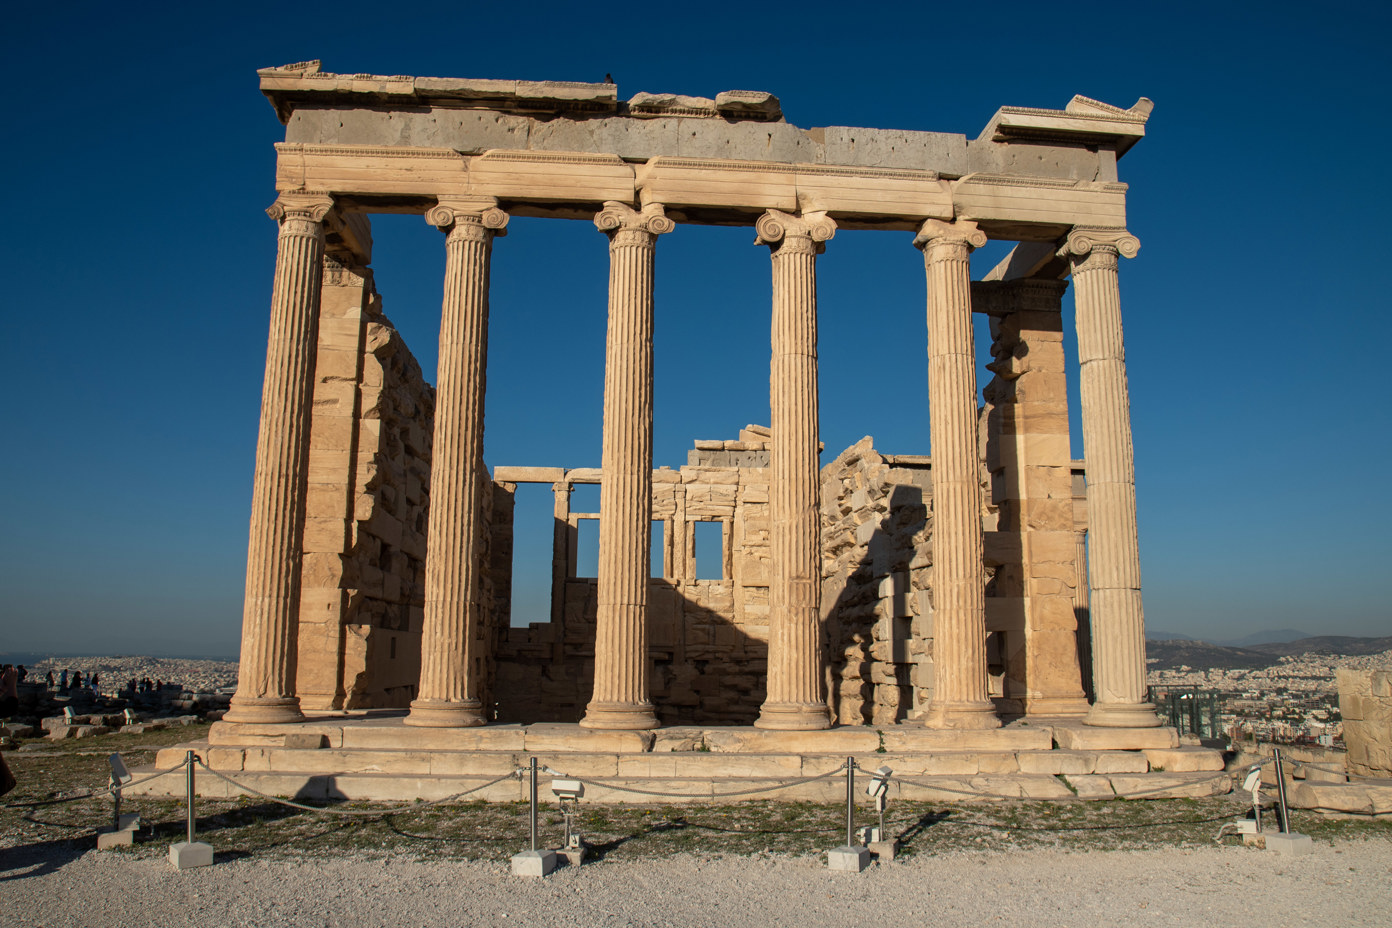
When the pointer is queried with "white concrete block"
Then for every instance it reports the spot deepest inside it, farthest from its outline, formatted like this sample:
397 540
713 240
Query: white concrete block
849 859
533 863
186 855
1292 844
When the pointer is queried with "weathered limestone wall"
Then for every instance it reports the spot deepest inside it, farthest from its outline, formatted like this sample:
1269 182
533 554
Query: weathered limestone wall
709 638
877 568
1035 548
369 476
1365 701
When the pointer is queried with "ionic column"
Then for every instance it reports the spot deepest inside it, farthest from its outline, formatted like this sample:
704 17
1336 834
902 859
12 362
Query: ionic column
620 699
448 694
959 577
795 700
1114 564
270 611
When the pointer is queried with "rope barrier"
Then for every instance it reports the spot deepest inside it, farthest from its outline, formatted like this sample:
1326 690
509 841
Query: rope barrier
413 806
782 784
107 791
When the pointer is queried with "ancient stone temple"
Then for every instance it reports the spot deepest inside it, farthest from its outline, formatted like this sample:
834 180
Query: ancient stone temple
992 580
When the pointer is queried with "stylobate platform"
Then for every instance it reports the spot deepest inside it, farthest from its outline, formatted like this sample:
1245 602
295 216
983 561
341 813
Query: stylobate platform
376 757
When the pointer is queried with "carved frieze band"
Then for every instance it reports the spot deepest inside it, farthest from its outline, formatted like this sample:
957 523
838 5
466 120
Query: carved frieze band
479 215
784 232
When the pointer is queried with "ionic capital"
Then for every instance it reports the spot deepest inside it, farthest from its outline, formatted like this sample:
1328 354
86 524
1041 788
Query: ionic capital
302 207
472 213
617 217
785 232
962 233
1110 240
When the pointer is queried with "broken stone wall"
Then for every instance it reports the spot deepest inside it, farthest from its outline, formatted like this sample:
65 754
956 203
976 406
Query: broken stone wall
1365 702
363 572
877 564
708 638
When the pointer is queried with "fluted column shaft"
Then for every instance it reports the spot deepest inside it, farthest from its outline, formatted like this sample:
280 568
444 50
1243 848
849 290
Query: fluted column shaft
1114 564
448 693
266 678
620 699
795 700
961 698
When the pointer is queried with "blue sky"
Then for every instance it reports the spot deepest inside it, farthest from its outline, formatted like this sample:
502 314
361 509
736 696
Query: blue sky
137 268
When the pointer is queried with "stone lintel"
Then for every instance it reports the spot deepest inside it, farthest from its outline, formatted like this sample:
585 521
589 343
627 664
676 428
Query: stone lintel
505 474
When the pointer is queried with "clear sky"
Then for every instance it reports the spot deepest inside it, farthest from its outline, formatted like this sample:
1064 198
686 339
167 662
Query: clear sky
137 274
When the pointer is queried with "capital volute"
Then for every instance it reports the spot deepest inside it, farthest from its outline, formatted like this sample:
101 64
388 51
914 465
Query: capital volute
619 217
779 230
962 233
308 207
481 212
1083 241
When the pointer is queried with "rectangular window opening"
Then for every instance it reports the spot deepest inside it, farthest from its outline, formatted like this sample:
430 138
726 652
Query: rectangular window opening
709 545
587 549
657 548
533 541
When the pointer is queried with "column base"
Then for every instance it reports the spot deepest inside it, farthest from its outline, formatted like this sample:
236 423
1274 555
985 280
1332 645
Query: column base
1072 707
794 716
620 716
443 713
1122 715
962 715
264 710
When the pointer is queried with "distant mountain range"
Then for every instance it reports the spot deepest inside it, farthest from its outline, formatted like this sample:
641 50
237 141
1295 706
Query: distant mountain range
1171 653
1266 637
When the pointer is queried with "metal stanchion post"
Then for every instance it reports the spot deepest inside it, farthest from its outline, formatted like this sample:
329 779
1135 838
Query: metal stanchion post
1287 841
1281 790
192 852
852 857
850 802
534 803
534 862
189 785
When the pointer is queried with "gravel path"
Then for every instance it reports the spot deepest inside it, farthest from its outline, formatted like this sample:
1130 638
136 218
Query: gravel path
1347 885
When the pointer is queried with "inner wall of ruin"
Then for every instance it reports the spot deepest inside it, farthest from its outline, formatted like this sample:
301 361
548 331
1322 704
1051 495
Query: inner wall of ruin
363 569
347 438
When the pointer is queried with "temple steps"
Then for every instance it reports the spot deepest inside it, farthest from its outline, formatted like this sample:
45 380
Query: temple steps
379 758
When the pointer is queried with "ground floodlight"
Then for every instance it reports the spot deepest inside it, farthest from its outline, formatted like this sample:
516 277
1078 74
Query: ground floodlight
567 789
879 783
1253 784
119 773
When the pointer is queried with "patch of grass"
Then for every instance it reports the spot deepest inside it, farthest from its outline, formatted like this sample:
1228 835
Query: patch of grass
495 831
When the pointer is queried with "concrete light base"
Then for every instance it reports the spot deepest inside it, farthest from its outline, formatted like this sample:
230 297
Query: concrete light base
848 859
186 855
533 863
884 850
108 838
1292 843
122 835
575 856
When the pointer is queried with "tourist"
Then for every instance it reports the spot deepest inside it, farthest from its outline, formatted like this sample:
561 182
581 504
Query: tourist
63 681
22 673
93 680
77 679
48 679
9 695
